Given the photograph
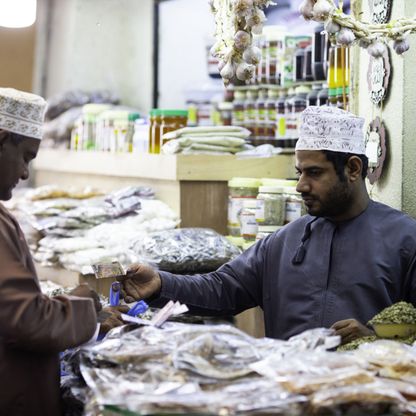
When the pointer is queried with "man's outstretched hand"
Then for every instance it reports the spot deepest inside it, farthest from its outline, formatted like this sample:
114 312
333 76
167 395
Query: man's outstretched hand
351 329
140 282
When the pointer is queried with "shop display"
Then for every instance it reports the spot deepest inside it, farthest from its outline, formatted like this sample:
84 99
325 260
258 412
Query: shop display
185 250
206 140
75 234
236 21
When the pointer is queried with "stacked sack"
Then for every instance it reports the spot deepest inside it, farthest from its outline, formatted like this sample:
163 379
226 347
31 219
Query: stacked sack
206 140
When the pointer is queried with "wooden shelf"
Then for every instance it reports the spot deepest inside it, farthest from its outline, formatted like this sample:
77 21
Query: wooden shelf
163 167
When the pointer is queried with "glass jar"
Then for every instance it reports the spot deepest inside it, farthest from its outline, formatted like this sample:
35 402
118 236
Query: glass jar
171 120
240 189
226 113
266 230
271 112
270 209
294 208
154 130
312 97
323 96
250 114
248 224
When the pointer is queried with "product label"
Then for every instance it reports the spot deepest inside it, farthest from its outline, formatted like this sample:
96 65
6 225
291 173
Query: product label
249 225
261 114
235 206
271 114
238 117
260 210
293 211
280 127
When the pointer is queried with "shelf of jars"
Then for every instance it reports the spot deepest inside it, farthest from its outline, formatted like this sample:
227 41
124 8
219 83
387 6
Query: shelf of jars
195 186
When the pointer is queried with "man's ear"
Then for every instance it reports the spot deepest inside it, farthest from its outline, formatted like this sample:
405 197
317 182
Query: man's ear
354 168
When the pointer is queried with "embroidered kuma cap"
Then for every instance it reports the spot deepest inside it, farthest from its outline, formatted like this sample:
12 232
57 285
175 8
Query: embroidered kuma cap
21 112
330 128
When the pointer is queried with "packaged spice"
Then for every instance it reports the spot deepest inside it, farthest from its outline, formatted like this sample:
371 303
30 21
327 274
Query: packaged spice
240 189
294 205
270 208
248 222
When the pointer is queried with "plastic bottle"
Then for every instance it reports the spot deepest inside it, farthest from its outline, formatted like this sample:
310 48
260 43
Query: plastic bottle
250 114
299 104
323 95
238 108
271 113
332 77
290 122
281 119
312 97
261 116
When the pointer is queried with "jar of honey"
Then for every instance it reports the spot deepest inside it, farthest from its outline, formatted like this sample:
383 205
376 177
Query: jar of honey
171 120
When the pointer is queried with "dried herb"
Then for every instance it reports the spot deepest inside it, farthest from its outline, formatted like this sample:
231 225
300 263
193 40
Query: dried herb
399 313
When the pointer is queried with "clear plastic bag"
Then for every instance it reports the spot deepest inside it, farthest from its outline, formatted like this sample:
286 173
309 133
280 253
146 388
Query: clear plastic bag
186 250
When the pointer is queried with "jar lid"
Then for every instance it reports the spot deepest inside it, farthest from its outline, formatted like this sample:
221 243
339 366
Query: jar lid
291 190
269 228
225 105
159 112
278 182
271 189
134 116
244 183
249 203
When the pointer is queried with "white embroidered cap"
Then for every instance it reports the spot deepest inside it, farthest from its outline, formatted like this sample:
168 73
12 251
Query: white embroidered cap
330 128
21 112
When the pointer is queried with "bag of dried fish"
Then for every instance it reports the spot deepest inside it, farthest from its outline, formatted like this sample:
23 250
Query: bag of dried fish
185 250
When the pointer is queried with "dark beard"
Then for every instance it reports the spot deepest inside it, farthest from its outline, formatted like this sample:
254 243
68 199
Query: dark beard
337 202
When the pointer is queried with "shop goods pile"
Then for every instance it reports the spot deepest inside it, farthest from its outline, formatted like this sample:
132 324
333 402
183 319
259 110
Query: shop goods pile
79 232
186 250
217 369
206 140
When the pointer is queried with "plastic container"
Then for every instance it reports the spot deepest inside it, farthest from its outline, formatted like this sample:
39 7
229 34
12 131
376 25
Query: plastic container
294 207
261 116
323 96
141 136
271 205
239 189
271 112
394 330
250 114
312 97
266 230
238 108
248 224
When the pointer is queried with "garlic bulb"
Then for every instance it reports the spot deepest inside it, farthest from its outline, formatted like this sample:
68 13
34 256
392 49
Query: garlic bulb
252 55
256 18
257 29
345 36
364 43
401 46
332 27
242 39
245 71
306 9
227 72
242 7
376 49
321 10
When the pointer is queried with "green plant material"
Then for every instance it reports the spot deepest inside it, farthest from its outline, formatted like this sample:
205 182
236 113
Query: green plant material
399 313
353 345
